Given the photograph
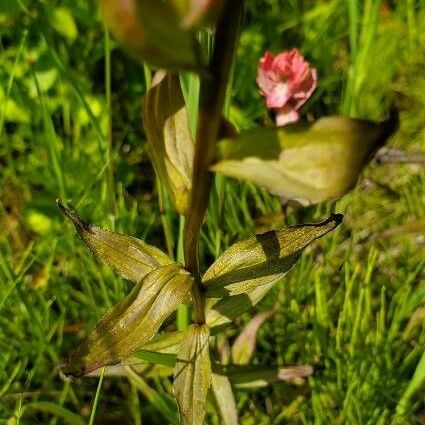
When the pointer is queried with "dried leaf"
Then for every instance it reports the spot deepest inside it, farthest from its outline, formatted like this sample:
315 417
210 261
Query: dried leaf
225 399
308 163
247 270
192 375
244 345
257 377
170 143
130 324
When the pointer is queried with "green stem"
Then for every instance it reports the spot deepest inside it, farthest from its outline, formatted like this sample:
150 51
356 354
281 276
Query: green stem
96 397
211 102
183 312
110 171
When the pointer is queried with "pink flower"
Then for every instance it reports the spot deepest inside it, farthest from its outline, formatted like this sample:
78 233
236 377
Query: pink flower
286 81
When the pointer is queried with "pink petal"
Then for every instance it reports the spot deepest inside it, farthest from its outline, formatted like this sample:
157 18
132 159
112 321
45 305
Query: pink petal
279 96
304 89
286 115
287 82
266 78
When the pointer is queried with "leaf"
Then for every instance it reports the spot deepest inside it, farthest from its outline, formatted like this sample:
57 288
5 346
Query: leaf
162 402
63 22
132 258
155 357
415 384
202 12
130 324
170 143
225 399
152 32
58 411
174 46
168 342
308 163
257 377
244 345
247 270
192 375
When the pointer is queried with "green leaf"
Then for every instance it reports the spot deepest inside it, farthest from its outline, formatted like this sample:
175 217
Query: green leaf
170 143
308 163
65 415
161 401
244 345
247 270
155 357
416 384
225 399
167 342
130 324
132 258
153 32
192 375
63 22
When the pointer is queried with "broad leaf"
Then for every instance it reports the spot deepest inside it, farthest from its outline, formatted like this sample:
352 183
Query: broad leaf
130 324
225 399
130 257
192 375
244 345
152 32
246 271
308 163
170 143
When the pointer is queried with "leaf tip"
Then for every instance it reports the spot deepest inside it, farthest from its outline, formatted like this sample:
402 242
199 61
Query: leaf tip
336 218
72 215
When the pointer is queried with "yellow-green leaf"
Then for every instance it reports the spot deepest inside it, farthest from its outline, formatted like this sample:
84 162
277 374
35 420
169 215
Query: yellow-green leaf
224 399
192 375
308 163
130 324
63 22
130 257
170 143
247 270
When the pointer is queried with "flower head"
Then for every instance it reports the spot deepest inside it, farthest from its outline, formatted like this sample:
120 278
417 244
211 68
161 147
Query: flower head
286 81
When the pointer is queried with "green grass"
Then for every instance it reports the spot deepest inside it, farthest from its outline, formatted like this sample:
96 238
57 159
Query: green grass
70 126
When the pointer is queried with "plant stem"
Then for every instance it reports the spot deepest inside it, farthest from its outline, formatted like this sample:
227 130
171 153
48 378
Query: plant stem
110 171
212 97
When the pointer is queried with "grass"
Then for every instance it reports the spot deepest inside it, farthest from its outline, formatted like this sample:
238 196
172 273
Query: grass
353 306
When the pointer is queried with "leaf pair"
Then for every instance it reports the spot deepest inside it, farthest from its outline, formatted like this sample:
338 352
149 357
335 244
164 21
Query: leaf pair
161 286
239 279
308 163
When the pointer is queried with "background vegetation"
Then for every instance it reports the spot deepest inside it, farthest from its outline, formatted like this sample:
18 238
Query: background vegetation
353 306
